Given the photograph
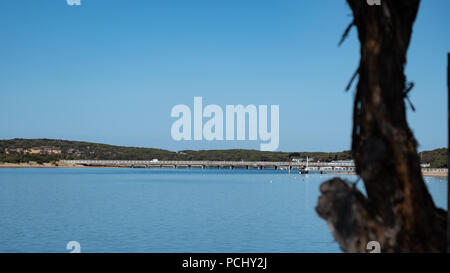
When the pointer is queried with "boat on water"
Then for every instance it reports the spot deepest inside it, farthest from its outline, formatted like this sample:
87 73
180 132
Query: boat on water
304 169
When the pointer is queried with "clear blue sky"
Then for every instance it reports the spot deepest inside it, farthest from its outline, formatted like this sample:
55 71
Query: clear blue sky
110 71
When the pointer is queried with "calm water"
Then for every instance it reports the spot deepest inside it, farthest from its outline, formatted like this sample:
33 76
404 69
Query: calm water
145 210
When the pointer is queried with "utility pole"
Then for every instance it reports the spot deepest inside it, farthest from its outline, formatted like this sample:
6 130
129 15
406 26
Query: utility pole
448 160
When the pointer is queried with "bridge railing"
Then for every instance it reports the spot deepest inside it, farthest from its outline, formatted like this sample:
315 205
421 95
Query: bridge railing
435 170
313 165
208 162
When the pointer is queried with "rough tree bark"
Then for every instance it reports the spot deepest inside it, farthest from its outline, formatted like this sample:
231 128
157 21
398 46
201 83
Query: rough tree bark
398 211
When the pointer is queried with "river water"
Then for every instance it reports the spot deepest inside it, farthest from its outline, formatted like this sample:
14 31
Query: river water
166 210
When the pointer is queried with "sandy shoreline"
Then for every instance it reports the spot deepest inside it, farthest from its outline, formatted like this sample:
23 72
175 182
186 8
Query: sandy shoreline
37 165
67 165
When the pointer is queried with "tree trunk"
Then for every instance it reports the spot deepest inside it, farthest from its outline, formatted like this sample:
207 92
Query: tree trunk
398 211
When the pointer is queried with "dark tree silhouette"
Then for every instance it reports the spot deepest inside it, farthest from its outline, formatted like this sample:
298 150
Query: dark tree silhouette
398 211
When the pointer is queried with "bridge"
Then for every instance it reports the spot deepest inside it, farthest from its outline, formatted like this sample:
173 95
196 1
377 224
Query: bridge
312 166
338 167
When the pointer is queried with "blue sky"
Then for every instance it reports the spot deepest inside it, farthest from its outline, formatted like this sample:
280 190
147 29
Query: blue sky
111 71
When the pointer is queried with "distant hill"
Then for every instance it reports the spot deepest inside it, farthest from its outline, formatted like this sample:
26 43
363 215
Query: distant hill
50 150
436 158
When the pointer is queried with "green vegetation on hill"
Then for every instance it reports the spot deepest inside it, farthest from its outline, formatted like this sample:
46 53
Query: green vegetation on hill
20 150
436 158
255 155
50 150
